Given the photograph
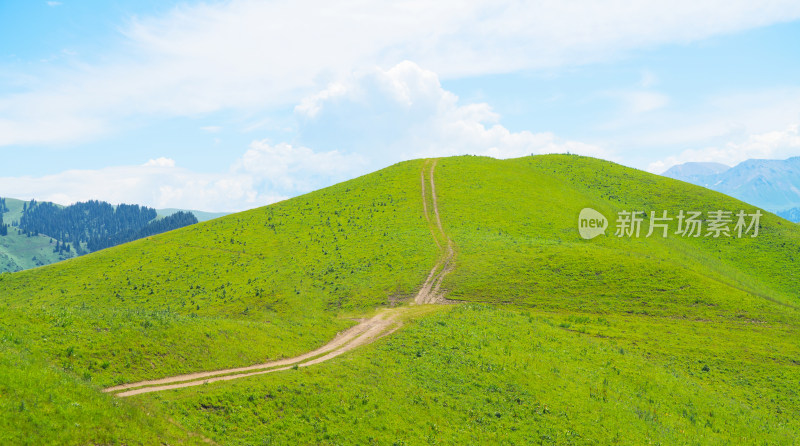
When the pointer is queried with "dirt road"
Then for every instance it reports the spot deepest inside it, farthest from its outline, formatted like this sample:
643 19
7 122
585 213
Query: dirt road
367 331
430 292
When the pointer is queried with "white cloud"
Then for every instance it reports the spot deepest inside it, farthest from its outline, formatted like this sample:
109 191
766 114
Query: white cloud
404 112
720 128
376 117
263 175
149 184
160 162
778 144
288 168
310 105
252 54
53 4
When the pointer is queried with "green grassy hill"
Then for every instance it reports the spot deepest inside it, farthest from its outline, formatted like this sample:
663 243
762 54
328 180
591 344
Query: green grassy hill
561 340
515 223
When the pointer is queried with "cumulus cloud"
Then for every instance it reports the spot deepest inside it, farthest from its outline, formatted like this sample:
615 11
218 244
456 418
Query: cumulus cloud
778 144
372 119
149 184
293 169
404 112
249 54
263 174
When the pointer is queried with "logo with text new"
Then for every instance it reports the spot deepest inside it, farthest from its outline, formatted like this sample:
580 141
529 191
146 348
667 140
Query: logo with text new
591 223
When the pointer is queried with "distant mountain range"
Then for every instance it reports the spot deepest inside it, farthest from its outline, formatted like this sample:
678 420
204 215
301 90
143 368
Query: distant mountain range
773 185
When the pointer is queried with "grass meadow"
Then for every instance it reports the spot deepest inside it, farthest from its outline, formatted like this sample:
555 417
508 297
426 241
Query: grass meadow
551 339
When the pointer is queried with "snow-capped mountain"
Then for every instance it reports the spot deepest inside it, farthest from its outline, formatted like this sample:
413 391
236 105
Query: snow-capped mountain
773 185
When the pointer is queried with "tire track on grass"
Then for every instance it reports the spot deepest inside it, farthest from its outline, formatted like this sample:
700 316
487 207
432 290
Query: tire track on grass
367 331
363 333
431 292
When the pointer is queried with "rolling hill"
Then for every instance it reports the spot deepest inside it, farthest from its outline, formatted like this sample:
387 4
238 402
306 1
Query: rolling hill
543 338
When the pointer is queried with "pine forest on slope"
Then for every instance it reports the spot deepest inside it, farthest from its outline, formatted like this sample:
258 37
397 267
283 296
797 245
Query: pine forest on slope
38 233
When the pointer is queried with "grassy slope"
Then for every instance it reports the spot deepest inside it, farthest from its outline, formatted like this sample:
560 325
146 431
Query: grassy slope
675 340
258 285
18 252
41 404
513 375
627 341
515 221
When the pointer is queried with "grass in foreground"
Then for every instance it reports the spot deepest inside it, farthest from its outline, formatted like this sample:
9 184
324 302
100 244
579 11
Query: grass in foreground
43 404
479 374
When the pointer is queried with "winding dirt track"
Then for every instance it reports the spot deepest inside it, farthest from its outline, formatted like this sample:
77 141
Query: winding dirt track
363 333
367 331
430 292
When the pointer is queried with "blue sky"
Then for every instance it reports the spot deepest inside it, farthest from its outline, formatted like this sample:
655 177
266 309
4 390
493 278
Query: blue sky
225 106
